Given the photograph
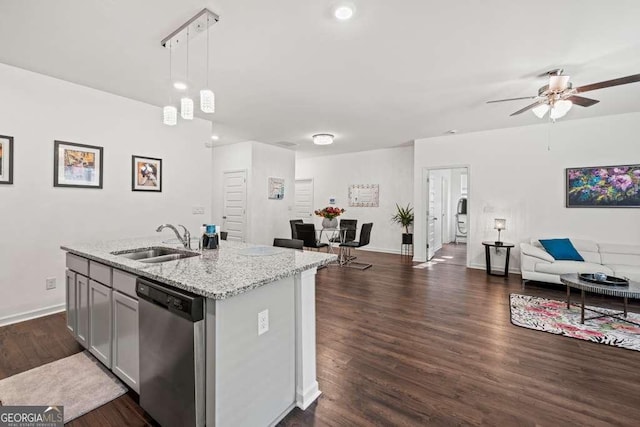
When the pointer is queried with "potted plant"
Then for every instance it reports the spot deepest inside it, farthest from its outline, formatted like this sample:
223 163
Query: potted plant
404 217
330 215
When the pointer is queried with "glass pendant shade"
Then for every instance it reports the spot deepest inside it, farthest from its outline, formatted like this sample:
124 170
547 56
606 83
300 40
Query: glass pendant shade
207 101
170 115
186 108
540 110
560 109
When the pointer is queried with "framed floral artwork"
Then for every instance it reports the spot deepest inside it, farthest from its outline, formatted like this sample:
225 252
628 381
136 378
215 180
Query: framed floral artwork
77 165
146 174
603 187
6 159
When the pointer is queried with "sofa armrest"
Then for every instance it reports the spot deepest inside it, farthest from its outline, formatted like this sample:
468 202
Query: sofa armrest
531 250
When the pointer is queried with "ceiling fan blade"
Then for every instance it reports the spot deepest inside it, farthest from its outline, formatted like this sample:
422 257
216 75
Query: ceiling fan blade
511 99
582 101
608 83
527 108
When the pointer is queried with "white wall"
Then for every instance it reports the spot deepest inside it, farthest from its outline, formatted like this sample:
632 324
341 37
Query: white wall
518 174
36 218
392 169
266 218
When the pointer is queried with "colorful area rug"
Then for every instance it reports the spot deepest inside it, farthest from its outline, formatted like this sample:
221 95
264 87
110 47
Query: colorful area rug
552 316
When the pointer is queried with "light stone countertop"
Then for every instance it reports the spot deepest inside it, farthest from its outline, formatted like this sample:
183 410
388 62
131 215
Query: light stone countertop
219 273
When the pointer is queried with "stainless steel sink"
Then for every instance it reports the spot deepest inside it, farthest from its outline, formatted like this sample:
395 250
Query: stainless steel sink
156 255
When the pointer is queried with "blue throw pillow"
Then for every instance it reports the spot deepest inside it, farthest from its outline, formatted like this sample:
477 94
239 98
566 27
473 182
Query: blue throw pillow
561 249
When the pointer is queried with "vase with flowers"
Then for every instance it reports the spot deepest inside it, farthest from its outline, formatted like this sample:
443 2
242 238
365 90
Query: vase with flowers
330 215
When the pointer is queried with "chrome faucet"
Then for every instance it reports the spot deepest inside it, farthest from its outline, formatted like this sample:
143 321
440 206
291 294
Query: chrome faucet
185 239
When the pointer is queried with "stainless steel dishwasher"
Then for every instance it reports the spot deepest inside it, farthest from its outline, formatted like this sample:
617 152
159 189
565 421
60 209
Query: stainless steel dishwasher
172 354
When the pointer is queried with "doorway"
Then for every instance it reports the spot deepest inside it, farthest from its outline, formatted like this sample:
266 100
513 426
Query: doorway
235 205
447 215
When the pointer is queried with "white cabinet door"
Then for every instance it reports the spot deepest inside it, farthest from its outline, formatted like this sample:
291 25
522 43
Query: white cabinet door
70 287
100 322
82 310
125 363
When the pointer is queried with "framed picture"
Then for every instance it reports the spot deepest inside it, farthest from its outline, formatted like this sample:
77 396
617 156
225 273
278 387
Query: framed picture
146 174
77 165
276 188
603 187
6 159
364 195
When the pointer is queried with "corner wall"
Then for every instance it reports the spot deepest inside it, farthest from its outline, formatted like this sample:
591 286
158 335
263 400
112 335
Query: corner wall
519 174
37 218
391 168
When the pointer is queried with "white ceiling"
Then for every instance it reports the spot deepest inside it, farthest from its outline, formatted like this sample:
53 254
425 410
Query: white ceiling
283 70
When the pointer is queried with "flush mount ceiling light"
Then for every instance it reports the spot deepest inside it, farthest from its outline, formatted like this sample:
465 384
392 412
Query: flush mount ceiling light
344 12
215 137
199 24
323 139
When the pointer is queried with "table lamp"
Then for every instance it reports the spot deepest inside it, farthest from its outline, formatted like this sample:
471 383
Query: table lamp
499 224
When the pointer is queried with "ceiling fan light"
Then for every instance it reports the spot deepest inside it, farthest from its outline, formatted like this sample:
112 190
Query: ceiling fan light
540 110
558 83
207 101
564 105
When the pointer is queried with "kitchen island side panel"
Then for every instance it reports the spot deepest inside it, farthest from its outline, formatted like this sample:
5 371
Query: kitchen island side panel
254 375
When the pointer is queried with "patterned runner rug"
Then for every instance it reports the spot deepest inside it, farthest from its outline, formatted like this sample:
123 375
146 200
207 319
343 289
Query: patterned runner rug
552 316
79 383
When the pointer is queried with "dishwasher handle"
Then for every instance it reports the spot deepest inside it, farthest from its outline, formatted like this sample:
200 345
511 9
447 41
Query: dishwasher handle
181 303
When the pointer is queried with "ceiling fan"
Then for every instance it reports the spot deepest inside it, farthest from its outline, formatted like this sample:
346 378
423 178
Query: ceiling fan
559 95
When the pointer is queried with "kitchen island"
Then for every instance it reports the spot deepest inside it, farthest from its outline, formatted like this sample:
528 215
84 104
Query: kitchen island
250 378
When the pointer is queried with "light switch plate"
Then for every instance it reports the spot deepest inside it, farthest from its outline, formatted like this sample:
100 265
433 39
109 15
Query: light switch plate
263 322
51 283
197 210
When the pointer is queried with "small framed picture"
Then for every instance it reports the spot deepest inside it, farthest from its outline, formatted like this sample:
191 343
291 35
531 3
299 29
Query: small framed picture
6 159
77 165
146 174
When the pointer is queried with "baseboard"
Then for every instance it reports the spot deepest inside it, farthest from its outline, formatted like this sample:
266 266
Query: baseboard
501 268
28 315
382 250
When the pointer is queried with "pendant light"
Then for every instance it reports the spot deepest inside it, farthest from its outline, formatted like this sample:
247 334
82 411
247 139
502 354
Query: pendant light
207 97
169 112
186 103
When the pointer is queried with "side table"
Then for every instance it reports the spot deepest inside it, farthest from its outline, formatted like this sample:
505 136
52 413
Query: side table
487 249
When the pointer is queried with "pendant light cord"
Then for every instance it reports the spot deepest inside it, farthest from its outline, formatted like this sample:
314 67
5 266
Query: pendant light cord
207 81
170 73
187 55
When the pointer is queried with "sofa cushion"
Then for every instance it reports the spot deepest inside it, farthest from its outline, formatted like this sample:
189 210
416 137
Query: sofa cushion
620 254
536 252
561 249
566 267
629 271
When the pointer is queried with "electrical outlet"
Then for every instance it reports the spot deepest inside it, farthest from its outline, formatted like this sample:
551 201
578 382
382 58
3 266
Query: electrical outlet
263 322
51 283
197 210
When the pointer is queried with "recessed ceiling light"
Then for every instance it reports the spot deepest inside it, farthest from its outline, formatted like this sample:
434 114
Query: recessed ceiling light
180 85
344 12
215 137
323 139
452 131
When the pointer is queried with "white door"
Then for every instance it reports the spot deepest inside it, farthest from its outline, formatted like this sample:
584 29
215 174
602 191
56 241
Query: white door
437 212
444 207
234 219
431 220
304 200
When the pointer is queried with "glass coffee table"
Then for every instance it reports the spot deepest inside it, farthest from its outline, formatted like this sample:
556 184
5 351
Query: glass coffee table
632 290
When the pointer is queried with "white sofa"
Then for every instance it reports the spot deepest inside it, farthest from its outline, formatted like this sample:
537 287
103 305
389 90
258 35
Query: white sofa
612 259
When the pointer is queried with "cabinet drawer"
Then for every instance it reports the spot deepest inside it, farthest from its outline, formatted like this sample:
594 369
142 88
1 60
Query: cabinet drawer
125 283
78 264
100 273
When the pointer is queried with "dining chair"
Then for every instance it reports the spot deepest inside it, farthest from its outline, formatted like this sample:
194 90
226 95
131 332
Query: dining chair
288 243
307 233
348 227
292 223
365 237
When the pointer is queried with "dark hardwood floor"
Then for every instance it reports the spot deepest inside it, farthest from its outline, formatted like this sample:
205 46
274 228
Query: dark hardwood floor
405 346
